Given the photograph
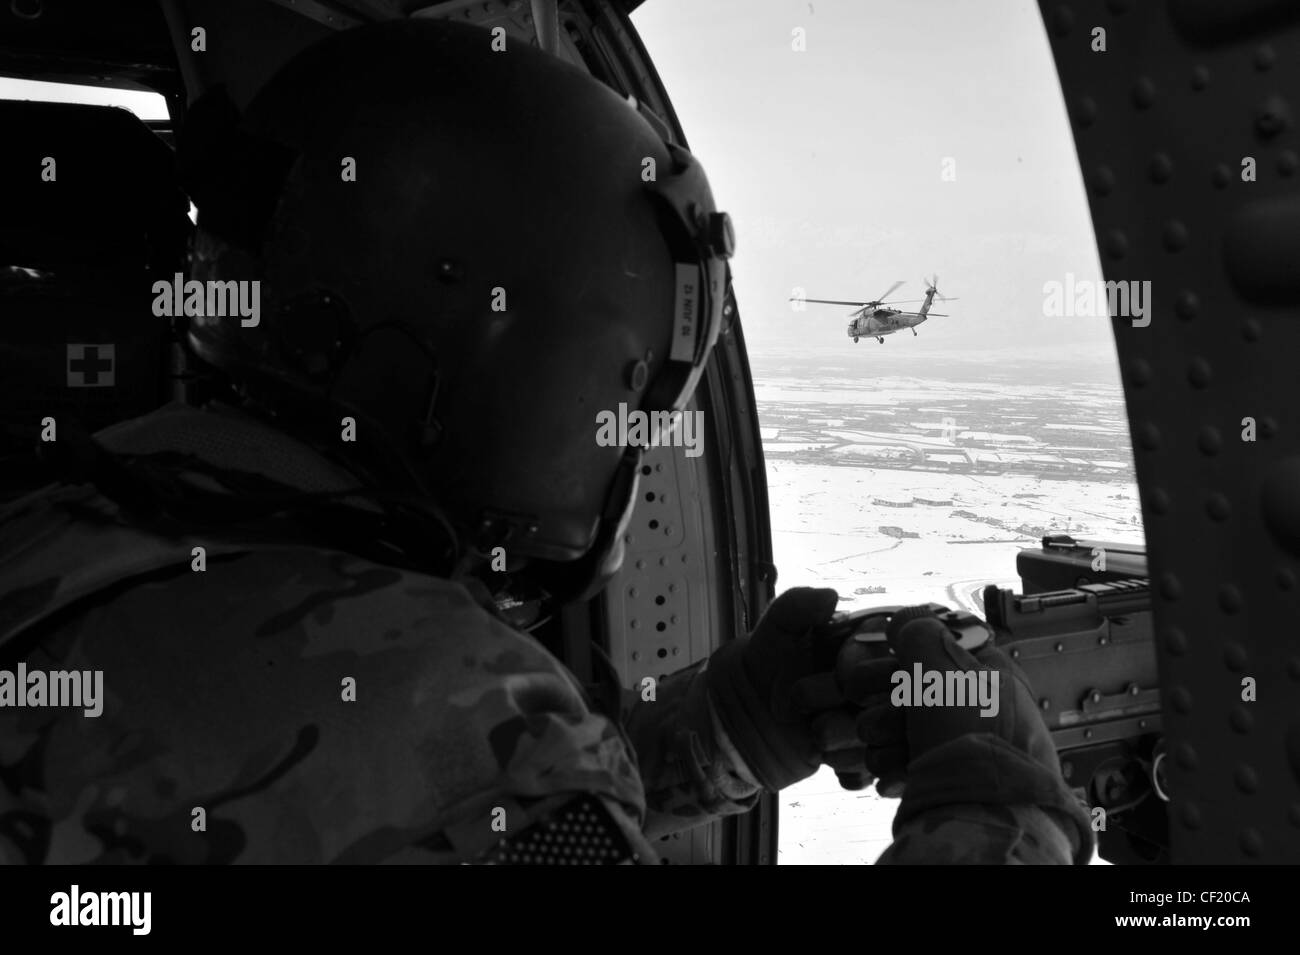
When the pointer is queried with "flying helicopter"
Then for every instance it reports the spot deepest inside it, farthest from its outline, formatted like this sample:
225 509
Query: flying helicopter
876 319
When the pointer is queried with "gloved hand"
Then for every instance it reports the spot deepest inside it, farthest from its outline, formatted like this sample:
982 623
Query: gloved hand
770 693
896 736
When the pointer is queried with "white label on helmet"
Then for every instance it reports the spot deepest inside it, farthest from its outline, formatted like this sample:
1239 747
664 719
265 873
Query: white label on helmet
686 307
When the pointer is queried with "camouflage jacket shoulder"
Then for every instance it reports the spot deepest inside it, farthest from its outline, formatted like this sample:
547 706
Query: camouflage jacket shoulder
270 703
303 707
292 703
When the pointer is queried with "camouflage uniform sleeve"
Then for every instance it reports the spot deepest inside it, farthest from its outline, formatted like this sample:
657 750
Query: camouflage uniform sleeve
977 800
691 772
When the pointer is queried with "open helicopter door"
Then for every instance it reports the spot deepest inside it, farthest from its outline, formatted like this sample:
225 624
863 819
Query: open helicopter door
1184 120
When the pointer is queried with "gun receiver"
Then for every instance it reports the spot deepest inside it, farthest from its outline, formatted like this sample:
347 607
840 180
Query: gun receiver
1088 651
1089 655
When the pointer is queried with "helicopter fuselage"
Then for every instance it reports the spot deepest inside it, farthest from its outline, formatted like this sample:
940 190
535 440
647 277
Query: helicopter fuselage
878 322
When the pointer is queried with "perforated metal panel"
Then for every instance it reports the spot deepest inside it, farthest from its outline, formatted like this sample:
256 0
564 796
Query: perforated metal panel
661 613
1163 119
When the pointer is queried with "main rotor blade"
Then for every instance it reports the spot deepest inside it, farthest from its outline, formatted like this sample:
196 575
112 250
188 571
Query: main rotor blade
889 291
828 301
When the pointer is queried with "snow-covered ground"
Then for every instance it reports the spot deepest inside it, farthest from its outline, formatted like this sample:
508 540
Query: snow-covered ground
826 527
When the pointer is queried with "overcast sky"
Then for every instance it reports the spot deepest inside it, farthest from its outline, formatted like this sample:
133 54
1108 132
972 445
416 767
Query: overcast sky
829 161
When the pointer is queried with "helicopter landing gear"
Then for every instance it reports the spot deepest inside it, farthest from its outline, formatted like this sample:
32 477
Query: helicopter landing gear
914 333
881 340
855 339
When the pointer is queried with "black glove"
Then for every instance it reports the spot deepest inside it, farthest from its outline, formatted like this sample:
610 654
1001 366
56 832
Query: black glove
767 693
954 754
896 736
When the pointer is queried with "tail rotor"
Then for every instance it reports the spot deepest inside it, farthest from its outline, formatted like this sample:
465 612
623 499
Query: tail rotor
932 285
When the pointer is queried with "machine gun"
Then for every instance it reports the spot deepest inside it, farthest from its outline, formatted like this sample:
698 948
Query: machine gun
1082 633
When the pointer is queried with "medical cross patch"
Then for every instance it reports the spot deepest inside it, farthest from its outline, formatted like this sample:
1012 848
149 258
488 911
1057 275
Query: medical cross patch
91 366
